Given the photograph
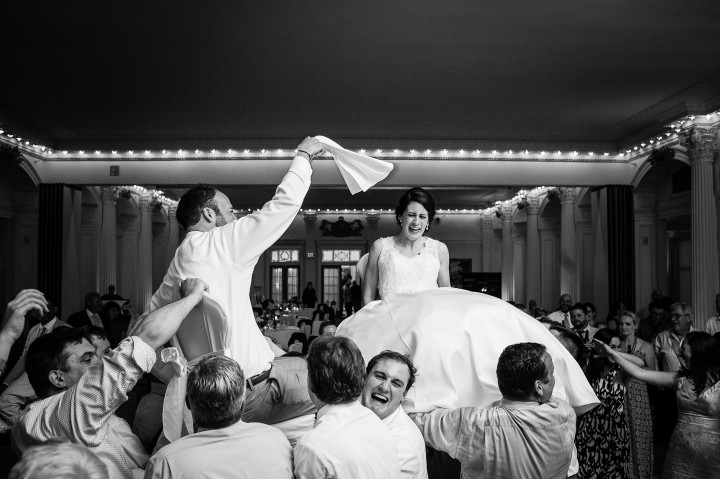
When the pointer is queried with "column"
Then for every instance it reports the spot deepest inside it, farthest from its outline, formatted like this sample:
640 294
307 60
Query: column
533 287
311 259
173 233
373 218
702 147
506 212
107 250
50 241
486 226
144 265
568 260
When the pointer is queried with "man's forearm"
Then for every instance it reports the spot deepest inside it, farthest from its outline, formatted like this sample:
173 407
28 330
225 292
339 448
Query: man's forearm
162 324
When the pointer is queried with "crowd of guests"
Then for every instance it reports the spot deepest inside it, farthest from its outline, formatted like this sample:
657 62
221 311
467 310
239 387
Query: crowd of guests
61 396
645 368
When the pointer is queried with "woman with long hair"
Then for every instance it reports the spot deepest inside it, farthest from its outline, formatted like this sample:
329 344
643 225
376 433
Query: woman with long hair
694 445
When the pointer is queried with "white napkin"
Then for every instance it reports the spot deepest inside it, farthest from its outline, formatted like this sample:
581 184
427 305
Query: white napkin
359 171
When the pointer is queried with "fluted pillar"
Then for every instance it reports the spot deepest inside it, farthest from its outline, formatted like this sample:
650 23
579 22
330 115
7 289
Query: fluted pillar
372 218
486 226
568 259
702 146
144 266
311 261
173 233
107 250
533 286
508 254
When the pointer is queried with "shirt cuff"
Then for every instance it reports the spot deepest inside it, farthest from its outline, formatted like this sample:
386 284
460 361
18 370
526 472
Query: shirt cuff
139 351
301 167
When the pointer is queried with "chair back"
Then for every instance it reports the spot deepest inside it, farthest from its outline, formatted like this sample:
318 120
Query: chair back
315 328
204 330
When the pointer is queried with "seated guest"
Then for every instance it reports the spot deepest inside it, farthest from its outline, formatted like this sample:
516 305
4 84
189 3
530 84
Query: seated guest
80 392
224 445
528 433
90 316
57 459
19 392
389 377
327 328
348 440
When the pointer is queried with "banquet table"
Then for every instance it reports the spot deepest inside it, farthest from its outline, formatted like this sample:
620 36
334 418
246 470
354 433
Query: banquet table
281 336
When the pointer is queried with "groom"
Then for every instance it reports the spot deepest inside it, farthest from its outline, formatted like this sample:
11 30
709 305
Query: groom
223 251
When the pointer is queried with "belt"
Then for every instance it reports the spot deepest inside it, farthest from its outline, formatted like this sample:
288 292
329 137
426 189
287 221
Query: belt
258 378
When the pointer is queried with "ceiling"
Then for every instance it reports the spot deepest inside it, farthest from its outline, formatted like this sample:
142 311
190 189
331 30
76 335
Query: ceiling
459 73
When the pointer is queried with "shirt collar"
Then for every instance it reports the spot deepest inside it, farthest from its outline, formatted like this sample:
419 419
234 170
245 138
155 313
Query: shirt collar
333 407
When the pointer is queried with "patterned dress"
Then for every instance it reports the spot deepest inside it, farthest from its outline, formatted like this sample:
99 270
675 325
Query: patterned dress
693 450
602 434
639 421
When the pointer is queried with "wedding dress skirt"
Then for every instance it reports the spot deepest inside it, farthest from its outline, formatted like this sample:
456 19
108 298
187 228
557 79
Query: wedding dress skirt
455 338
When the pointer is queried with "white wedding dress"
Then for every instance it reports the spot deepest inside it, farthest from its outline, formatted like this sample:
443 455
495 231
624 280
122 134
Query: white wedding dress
454 336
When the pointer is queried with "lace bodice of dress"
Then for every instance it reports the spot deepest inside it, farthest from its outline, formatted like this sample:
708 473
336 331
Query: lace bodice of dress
402 274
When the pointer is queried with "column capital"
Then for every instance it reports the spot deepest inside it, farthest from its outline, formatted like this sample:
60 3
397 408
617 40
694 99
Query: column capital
108 194
567 194
486 221
701 143
507 212
310 217
533 205
372 218
146 204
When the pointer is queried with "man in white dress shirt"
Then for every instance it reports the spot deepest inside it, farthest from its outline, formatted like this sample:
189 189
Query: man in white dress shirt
712 325
389 377
528 433
562 315
223 251
224 445
80 391
348 440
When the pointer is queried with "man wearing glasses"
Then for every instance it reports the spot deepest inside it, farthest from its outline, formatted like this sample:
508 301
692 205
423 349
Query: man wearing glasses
667 353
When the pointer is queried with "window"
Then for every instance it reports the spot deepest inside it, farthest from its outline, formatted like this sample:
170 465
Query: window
341 255
285 256
284 283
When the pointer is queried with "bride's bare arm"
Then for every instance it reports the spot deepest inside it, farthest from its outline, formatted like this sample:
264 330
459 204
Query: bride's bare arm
444 274
370 281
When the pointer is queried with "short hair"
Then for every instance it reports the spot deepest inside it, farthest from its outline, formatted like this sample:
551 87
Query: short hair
192 202
686 310
57 459
336 369
324 325
571 341
48 353
216 391
591 307
579 306
417 195
658 304
519 366
389 355
111 305
89 331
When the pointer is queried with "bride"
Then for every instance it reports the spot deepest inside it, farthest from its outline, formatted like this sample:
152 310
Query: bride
453 336
409 261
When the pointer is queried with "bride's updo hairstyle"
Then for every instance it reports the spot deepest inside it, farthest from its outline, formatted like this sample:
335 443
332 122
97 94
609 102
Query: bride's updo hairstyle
418 195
